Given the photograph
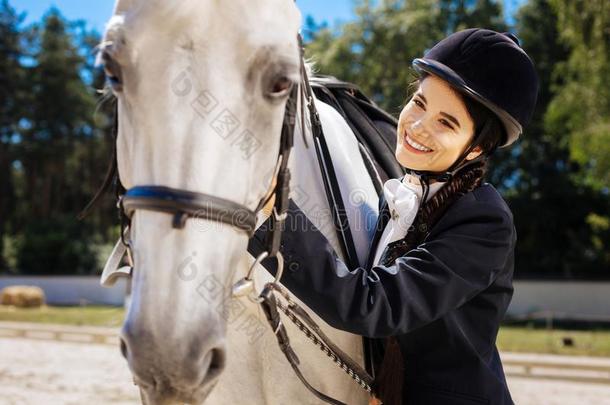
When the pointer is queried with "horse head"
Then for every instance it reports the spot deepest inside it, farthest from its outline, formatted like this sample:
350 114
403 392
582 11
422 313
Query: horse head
201 90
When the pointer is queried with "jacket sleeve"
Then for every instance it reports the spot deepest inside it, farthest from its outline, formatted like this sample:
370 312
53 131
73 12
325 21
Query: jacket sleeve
462 256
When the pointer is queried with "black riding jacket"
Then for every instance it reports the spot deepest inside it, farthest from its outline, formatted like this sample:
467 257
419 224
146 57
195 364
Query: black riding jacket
443 300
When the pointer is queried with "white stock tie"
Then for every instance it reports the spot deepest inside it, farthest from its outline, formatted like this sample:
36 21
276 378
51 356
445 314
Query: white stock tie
403 202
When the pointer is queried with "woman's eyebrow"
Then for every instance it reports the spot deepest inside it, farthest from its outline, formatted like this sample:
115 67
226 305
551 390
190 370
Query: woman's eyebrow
444 114
451 118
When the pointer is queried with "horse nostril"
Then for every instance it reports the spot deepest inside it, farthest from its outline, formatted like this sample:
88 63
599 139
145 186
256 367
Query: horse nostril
218 359
123 348
217 364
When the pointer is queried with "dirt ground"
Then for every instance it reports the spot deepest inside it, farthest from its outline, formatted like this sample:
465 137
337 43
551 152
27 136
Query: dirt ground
59 373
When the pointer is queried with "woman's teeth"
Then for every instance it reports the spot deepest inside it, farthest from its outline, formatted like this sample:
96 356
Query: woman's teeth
416 145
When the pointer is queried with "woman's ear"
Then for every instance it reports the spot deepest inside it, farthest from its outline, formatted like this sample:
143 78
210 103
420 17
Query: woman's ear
476 152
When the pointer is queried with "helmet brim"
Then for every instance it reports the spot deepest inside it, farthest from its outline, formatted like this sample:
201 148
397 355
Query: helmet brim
511 125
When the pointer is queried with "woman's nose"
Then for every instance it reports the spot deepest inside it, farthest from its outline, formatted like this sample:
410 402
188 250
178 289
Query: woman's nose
418 127
421 131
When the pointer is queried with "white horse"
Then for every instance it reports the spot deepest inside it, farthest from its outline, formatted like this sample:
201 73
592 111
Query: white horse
201 88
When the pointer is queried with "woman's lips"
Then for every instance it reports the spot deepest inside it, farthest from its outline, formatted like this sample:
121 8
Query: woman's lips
406 145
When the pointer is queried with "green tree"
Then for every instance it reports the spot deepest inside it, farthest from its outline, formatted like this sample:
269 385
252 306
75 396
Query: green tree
11 103
60 116
552 210
376 49
59 124
578 118
462 14
89 162
582 104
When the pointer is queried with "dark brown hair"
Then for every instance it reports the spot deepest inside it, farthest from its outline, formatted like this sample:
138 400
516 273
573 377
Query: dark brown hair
489 133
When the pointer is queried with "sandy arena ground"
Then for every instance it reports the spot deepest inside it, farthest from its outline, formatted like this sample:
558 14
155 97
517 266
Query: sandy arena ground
59 373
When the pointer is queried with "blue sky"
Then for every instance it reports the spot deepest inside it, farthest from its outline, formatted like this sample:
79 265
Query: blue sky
96 12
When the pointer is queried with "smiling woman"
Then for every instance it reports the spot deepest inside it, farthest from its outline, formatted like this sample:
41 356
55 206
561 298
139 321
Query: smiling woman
434 128
438 278
437 129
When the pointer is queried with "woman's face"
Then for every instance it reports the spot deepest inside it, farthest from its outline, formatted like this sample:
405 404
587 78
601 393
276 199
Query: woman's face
434 128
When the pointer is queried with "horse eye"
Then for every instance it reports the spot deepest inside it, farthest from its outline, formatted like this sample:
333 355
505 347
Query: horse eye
280 87
112 71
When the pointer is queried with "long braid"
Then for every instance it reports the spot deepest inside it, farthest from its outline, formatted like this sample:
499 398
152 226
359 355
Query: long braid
390 379
464 182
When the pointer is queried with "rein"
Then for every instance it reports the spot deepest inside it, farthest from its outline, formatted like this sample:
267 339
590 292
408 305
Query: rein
310 328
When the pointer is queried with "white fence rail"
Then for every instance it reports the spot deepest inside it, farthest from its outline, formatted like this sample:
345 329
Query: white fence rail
571 299
62 333
72 290
554 367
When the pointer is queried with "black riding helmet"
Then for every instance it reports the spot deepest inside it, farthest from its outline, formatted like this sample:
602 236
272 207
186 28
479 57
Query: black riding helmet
491 68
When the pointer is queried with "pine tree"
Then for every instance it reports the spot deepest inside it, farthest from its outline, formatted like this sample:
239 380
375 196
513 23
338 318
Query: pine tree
11 98
60 120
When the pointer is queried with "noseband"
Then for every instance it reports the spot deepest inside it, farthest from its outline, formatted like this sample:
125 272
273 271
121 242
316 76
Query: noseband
187 204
